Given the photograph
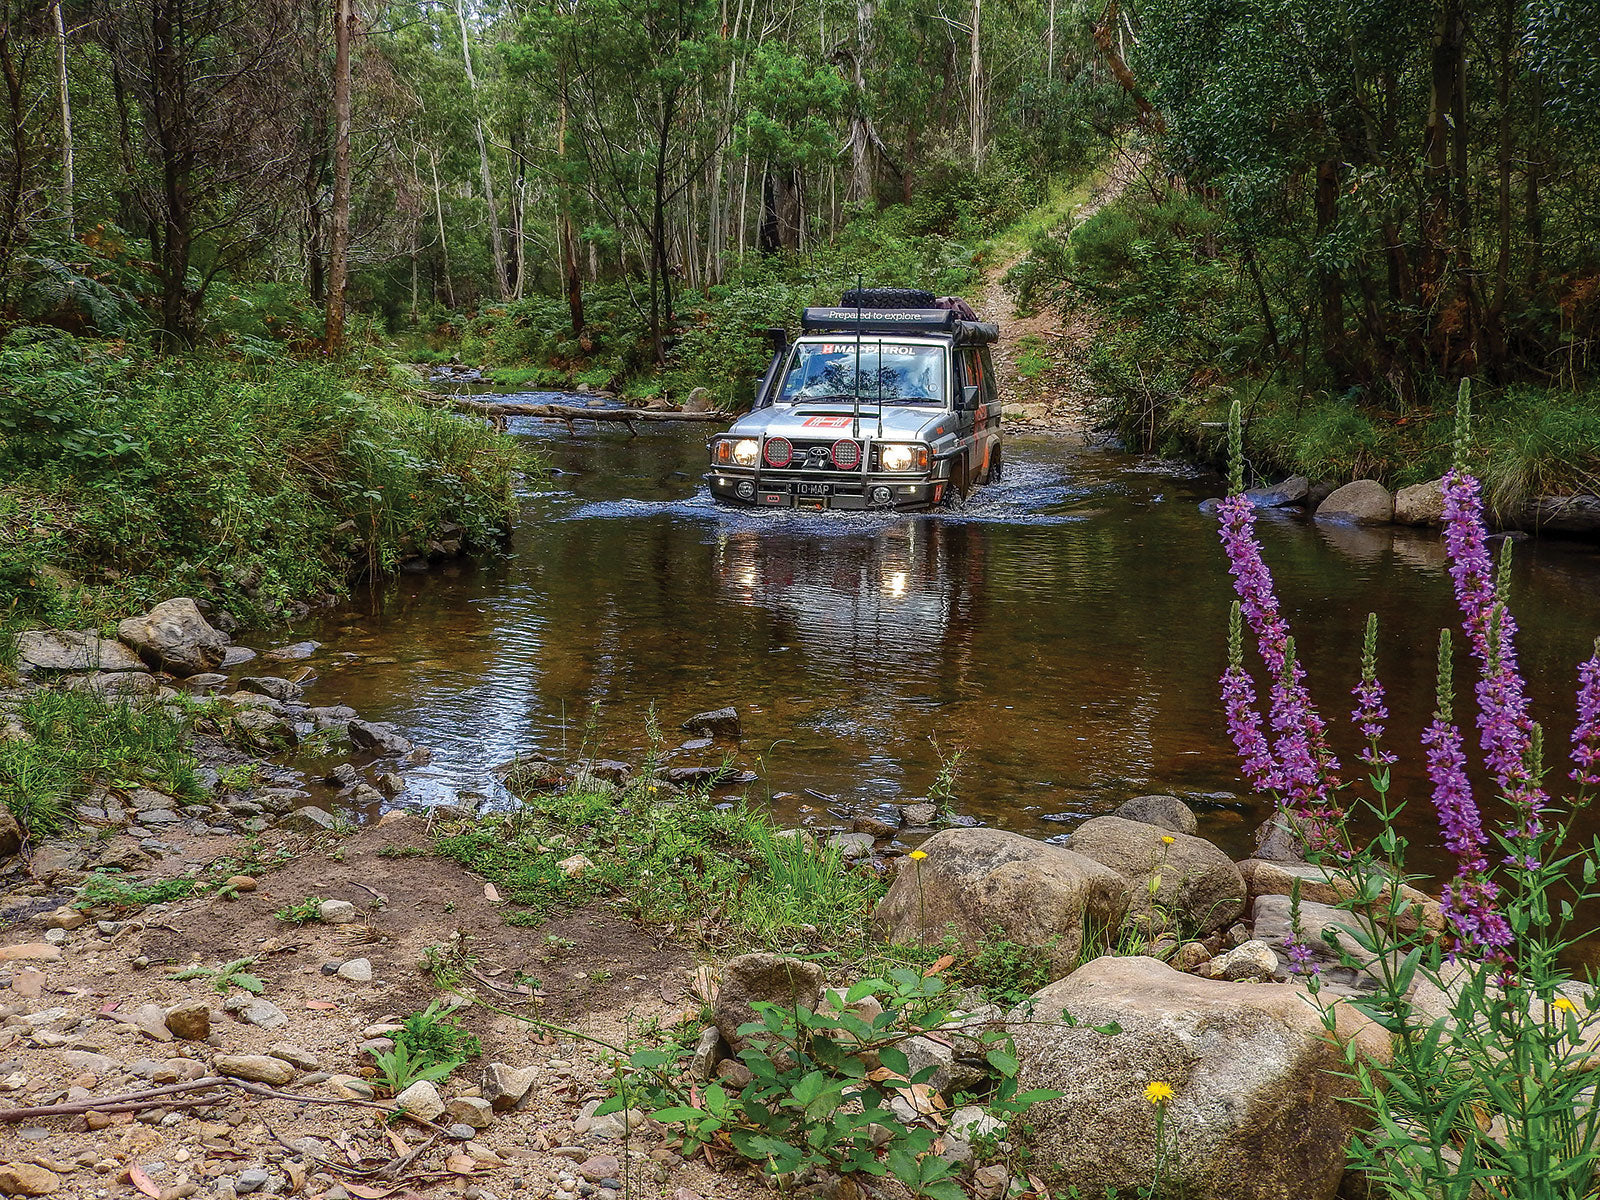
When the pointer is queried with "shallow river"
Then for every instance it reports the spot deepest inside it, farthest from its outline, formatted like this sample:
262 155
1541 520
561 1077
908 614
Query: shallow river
1065 632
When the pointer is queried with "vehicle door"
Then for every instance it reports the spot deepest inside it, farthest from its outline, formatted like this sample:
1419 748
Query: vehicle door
972 415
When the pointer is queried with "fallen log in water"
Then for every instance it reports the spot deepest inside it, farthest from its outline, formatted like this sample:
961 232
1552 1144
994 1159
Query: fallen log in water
569 412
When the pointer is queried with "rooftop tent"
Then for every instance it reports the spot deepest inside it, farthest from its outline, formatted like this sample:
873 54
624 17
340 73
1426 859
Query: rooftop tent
898 320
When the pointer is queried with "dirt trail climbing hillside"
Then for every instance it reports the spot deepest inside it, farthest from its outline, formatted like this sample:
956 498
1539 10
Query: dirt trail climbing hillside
1055 393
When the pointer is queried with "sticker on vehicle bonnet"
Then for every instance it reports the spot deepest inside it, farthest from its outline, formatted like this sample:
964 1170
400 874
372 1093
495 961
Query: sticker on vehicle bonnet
826 422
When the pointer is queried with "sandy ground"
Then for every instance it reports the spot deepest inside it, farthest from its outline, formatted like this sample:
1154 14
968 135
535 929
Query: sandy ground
74 1031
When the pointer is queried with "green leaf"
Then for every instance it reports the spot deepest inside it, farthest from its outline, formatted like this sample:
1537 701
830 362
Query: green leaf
1005 1063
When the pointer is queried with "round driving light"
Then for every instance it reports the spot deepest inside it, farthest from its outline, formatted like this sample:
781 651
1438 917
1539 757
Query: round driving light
747 490
779 453
846 455
880 495
897 458
745 451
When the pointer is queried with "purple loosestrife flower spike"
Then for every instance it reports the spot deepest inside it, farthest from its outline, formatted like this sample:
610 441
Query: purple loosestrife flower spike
1305 771
1505 728
1469 899
1370 711
1244 721
1586 737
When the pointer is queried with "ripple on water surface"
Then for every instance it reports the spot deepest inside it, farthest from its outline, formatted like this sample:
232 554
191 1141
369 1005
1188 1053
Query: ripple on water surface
1065 627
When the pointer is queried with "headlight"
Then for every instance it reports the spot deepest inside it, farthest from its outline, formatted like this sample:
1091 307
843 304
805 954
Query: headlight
903 458
744 452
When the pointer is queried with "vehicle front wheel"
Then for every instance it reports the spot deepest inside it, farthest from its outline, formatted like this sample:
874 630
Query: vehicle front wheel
996 466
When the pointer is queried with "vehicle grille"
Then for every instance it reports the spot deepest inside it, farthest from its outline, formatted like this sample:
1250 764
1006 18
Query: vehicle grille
813 455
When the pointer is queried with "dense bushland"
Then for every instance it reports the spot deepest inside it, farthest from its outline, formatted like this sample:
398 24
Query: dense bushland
261 483
936 241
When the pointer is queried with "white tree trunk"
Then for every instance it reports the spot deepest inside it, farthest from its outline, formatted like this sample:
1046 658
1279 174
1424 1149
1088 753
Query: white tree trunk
496 247
66 115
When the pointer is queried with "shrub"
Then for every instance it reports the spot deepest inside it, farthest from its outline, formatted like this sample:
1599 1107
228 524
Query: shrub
1490 1087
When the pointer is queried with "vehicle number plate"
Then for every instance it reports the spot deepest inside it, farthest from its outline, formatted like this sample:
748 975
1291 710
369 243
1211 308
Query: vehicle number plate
813 489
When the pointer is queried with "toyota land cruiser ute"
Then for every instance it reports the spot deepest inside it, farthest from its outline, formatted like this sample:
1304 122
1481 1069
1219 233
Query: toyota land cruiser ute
887 401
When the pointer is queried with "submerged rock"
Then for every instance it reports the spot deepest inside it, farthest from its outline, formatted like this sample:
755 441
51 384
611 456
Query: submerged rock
1364 502
717 723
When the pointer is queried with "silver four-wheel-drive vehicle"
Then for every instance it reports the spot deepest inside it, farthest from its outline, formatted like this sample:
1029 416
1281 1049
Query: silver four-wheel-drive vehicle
887 401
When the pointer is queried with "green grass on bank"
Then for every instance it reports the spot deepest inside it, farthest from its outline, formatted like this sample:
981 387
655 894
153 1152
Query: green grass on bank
722 878
720 873
140 477
77 744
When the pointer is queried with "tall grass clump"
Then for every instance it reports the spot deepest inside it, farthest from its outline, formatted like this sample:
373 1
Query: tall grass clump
721 872
1490 1088
75 744
145 477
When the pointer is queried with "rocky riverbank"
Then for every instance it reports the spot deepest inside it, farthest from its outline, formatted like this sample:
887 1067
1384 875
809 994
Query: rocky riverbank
202 993
1421 505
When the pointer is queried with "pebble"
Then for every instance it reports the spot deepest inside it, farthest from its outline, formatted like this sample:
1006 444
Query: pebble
463 1132
56 937
357 970
421 1099
252 1180
27 1179
337 912
259 1068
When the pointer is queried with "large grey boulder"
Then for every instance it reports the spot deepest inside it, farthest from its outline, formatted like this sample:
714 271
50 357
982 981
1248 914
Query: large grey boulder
1290 492
1420 504
1364 502
73 650
1176 880
978 882
768 978
1258 1107
1166 811
174 637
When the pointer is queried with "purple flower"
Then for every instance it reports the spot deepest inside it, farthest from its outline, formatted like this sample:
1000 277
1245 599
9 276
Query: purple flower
1299 955
1305 771
1244 726
1505 727
1452 797
1586 737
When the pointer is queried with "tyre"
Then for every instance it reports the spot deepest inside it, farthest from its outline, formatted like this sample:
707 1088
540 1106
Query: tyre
996 465
886 298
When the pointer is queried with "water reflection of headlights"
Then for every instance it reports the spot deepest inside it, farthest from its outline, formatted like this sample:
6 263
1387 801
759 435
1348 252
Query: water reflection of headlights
894 584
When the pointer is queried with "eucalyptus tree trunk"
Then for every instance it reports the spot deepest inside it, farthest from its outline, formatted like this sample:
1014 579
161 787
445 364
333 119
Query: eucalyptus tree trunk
975 86
568 236
444 244
496 246
344 19
66 115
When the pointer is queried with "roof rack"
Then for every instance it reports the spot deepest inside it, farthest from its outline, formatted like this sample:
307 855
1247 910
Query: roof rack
899 320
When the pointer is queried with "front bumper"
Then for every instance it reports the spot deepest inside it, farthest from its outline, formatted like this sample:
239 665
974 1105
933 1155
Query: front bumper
853 493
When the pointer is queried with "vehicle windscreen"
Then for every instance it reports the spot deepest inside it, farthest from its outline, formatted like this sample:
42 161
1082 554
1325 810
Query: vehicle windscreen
895 372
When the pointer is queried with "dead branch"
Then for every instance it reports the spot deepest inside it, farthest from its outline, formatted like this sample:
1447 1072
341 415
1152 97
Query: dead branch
569 412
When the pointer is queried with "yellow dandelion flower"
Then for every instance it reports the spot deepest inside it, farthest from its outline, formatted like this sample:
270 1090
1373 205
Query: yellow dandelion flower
1562 1004
918 855
1167 839
1158 1093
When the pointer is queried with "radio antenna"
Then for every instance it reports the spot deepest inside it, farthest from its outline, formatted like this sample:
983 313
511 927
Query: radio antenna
855 415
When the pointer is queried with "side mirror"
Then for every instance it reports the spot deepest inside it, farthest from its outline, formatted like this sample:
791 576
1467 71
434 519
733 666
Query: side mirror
969 396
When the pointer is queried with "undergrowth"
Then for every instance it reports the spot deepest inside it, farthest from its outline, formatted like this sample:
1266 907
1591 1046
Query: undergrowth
127 478
723 874
78 743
